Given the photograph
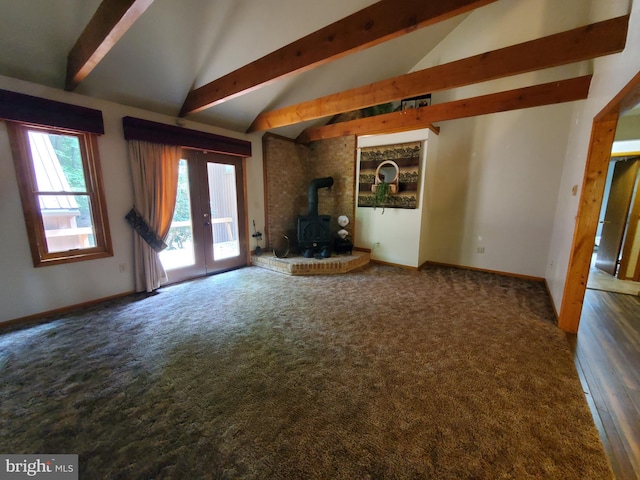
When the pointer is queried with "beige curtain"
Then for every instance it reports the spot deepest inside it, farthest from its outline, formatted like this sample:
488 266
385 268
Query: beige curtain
154 169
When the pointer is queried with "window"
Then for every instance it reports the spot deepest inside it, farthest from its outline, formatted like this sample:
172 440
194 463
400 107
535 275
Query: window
62 194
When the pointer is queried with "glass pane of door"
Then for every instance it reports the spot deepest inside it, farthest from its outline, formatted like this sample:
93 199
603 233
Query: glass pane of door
224 210
180 251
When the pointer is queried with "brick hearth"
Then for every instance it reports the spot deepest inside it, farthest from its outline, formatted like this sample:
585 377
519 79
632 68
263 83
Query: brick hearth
299 265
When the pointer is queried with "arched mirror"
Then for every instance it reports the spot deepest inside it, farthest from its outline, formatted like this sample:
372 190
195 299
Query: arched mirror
387 172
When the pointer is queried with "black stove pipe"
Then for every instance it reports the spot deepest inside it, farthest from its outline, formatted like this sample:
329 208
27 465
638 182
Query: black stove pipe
313 193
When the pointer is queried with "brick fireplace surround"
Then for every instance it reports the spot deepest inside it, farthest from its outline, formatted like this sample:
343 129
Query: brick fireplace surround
289 168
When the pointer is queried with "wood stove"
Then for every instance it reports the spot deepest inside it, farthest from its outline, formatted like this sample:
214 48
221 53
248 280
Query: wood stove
314 231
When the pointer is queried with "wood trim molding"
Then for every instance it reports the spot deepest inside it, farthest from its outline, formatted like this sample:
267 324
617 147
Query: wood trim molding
390 264
598 39
478 269
380 22
416 118
44 317
110 22
602 134
553 304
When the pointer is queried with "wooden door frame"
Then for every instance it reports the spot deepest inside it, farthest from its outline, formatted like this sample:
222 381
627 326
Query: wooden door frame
595 174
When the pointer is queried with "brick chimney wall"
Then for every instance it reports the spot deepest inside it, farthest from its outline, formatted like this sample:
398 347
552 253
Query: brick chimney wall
289 168
335 158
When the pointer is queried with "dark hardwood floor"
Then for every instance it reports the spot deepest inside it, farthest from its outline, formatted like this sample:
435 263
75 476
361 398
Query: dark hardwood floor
607 356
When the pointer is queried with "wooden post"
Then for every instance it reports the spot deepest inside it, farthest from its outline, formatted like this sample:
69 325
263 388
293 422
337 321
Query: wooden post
595 175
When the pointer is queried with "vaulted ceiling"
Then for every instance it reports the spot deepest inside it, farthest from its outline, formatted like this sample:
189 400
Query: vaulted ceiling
203 59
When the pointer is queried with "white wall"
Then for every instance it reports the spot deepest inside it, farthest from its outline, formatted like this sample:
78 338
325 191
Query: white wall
494 182
611 74
25 290
394 236
493 189
509 178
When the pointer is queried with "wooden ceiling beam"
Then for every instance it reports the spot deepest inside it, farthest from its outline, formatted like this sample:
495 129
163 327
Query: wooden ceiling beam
416 118
370 26
598 39
110 22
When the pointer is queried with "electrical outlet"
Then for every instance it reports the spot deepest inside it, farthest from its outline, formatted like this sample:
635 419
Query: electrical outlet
122 267
480 250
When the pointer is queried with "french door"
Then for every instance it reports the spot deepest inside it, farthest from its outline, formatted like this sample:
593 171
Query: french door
209 229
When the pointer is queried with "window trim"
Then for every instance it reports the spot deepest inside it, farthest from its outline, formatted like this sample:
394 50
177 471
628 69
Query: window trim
18 137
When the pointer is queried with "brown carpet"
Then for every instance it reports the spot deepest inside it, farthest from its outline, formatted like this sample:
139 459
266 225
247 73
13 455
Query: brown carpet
382 373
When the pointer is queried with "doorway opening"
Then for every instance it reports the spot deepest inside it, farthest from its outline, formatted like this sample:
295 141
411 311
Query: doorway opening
602 139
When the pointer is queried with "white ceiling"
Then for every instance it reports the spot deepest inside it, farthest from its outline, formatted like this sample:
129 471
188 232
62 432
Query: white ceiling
180 44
